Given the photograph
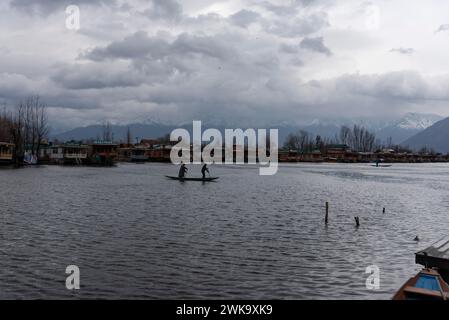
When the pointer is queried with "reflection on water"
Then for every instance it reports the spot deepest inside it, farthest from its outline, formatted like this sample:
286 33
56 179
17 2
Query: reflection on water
135 234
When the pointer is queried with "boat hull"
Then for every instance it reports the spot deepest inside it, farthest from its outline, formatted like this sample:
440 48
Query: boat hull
426 285
193 179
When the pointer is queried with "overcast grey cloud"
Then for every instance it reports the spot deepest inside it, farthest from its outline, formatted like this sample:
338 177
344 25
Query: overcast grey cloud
406 51
164 9
45 7
315 44
244 18
297 27
443 28
240 62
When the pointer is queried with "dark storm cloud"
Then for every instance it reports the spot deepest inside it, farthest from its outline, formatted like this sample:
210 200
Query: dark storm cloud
315 44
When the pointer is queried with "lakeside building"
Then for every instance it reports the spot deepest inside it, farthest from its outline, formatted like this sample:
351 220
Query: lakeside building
140 154
6 153
294 156
340 153
159 153
343 154
124 152
108 153
103 153
149 143
67 154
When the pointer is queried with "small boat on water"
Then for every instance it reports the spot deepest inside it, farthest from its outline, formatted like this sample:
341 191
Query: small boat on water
193 179
426 285
30 159
381 165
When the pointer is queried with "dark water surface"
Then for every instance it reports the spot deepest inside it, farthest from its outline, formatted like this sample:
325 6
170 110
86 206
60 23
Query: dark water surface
135 234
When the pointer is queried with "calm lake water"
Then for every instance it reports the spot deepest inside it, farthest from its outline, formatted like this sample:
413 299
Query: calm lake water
135 234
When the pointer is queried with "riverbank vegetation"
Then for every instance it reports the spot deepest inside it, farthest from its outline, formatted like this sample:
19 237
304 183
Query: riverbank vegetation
26 126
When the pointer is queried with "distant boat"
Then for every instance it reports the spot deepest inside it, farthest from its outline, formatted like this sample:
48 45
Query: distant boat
30 159
426 285
193 179
382 165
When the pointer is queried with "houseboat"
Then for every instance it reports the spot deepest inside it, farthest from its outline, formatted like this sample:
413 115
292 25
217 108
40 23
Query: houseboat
139 154
6 153
66 154
75 153
160 153
104 153
432 282
124 152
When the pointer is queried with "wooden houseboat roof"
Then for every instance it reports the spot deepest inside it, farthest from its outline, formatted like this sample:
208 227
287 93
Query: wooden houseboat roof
80 146
7 144
104 143
435 256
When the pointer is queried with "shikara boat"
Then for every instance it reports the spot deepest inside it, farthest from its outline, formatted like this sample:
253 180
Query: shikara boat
193 179
426 285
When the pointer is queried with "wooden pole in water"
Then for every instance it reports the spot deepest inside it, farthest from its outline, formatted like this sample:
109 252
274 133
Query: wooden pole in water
357 221
326 219
383 211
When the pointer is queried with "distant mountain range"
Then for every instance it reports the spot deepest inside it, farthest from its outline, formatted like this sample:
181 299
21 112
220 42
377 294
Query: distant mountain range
119 132
435 137
405 128
399 130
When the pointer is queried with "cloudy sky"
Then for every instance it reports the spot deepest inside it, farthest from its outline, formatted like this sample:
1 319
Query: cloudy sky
248 62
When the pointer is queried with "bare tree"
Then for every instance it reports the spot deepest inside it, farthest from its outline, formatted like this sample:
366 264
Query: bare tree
36 127
41 125
304 141
292 142
107 136
345 135
129 138
26 126
17 131
5 120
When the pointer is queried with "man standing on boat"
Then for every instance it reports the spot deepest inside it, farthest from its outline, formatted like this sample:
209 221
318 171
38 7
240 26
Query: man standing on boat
203 171
182 170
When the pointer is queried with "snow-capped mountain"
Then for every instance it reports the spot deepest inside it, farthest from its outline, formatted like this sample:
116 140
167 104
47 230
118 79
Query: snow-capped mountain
434 137
418 121
406 127
399 129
